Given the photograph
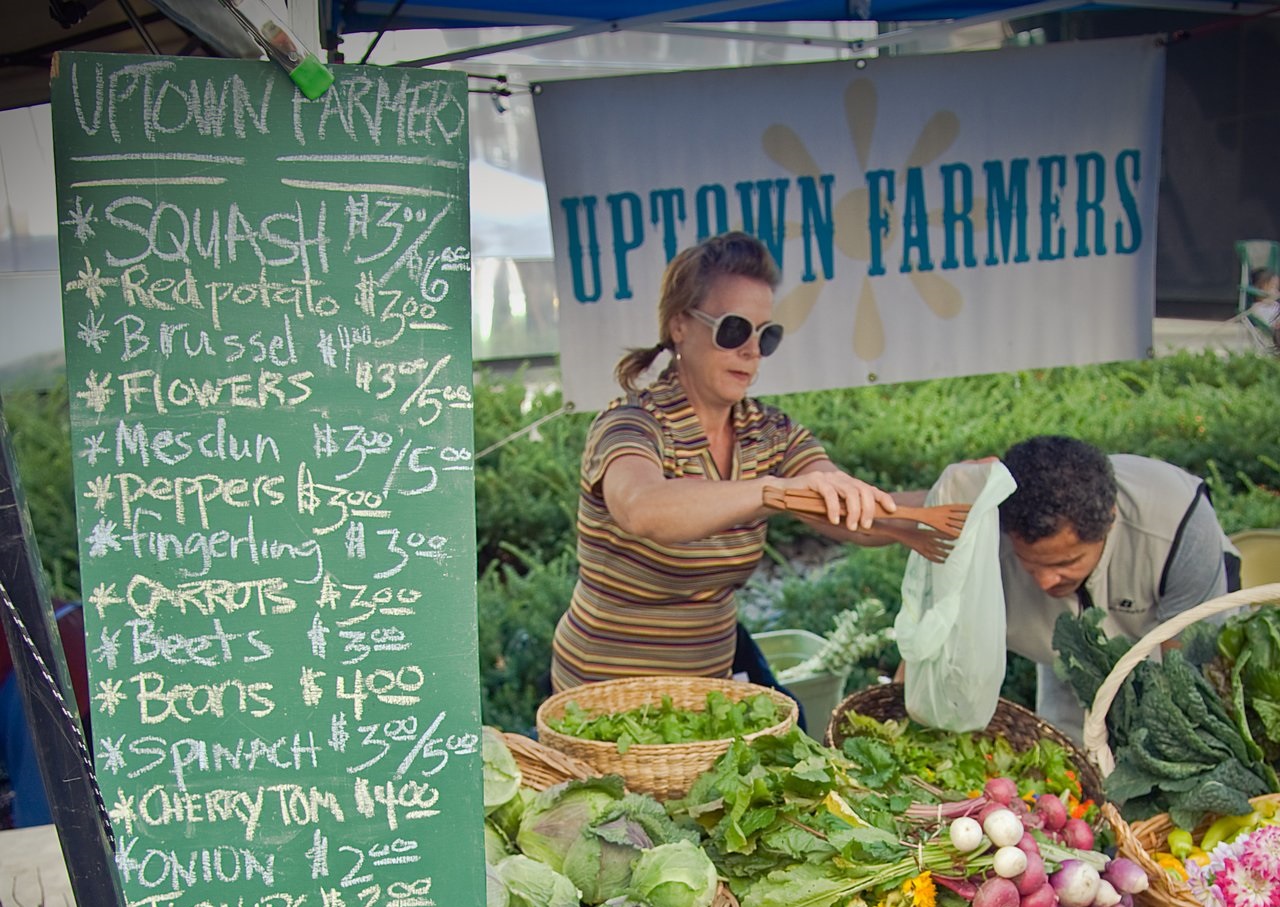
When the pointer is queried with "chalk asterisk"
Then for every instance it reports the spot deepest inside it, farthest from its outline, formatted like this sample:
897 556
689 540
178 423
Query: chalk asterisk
103 538
110 695
100 492
93 447
104 596
81 219
123 813
111 755
93 283
92 333
109 650
98 393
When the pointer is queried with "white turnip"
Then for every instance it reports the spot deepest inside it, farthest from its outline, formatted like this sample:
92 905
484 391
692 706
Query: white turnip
996 892
1009 862
1003 828
1076 883
1077 833
1107 895
1051 811
965 834
1126 876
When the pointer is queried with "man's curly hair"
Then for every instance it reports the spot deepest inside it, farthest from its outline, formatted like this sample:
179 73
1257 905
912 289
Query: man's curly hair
1061 482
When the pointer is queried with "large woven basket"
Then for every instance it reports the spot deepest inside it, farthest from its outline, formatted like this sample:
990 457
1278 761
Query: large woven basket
1020 726
1141 839
541 766
664 770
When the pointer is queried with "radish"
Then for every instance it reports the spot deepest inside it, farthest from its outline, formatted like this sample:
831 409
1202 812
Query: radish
1028 843
1050 809
1044 896
1032 877
1009 862
1076 883
996 892
1107 895
963 887
965 834
1077 833
1126 876
1001 790
1003 827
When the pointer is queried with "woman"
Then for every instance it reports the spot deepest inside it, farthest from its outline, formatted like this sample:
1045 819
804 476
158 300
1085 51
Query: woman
671 520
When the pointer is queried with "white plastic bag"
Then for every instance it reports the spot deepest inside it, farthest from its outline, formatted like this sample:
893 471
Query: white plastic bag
951 629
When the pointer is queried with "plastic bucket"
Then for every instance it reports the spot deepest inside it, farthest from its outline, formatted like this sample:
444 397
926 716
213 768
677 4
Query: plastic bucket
818 693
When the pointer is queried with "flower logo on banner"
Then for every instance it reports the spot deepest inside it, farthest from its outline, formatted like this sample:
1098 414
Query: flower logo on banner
850 217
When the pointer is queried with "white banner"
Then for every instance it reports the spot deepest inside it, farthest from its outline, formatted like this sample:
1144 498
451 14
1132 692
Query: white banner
933 216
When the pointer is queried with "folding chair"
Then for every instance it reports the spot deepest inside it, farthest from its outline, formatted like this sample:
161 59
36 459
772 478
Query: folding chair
1258 309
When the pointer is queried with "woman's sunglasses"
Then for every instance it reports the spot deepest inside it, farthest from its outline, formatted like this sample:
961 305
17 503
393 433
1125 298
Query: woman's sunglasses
730 331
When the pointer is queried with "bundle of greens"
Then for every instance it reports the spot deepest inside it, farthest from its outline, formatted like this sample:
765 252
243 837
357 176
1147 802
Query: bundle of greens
790 822
891 751
1249 651
665 723
1177 749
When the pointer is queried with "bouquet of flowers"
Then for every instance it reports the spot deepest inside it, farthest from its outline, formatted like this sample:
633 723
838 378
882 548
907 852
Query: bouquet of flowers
1242 873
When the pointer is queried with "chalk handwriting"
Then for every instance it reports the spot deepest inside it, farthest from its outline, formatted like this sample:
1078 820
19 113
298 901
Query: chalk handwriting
170 448
205 548
191 755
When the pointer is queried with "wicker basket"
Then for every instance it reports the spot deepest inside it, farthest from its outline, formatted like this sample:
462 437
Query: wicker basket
1020 726
541 766
664 770
1141 839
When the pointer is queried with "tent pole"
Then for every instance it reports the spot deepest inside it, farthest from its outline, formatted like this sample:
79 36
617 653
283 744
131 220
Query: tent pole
26 617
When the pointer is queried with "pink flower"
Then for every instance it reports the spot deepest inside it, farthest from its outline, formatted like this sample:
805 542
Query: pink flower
1200 882
1242 887
1262 852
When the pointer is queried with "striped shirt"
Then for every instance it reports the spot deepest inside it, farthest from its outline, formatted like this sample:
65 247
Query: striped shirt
640 607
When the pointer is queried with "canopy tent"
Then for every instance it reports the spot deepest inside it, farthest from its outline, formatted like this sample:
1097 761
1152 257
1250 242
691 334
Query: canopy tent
567 19
1221 127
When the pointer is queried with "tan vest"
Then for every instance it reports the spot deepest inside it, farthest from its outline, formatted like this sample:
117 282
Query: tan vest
1153 499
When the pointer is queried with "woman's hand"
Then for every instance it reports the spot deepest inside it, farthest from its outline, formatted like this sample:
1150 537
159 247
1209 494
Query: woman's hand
843 492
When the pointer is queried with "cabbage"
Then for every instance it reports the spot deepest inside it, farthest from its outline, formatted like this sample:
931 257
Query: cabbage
495 890
506 818
501 773
674 875
496 845
593 831
555 819
528 883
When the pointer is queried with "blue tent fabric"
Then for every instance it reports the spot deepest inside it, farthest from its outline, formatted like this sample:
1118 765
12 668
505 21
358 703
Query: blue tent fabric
349 16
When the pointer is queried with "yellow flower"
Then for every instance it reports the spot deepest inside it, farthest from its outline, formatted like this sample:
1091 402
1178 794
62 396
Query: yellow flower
921 889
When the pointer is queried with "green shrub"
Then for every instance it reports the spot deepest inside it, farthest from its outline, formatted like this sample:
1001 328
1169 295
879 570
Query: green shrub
1215 415
526 480
519 602
40 424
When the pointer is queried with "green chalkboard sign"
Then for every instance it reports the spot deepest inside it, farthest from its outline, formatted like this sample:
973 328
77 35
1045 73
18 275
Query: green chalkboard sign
266 309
